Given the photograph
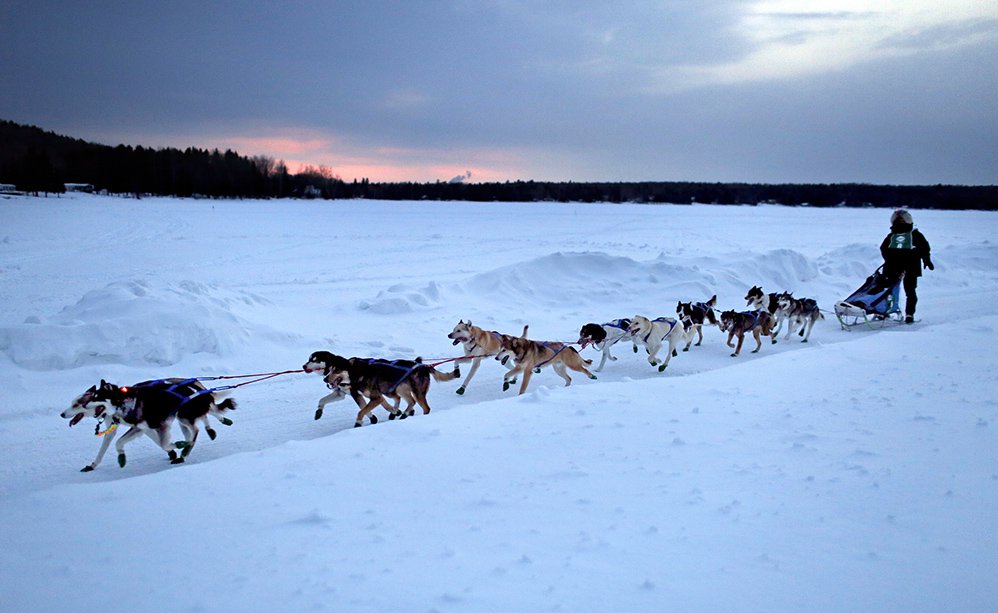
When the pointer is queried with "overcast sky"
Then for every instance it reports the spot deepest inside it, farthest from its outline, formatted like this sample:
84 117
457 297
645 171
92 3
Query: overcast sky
891 91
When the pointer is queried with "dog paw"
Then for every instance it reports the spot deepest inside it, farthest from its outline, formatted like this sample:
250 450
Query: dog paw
86 469
804 341
357 424
635 349
593 377
373 419
505 386
211 433
662 368
755 351
179 460
226 422
537 370
734 355
460 391
181 444
686 349
318 413
121 460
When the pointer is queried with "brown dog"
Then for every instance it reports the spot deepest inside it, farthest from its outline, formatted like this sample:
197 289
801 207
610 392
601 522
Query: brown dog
530 356
372 382
737 324
478 344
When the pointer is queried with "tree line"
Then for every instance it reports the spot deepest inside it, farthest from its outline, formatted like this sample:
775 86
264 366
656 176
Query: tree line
38 161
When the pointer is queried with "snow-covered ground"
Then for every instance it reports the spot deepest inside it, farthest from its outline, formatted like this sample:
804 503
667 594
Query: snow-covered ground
856 472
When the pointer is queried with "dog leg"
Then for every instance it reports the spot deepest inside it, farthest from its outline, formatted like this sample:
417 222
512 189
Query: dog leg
699 334
474 368
365 410
190 437
120 445
731 337
579 365
333 396
809 328
108 437
207 428
421 400
507 380
758 340
606 355
559 369
738 349
527 373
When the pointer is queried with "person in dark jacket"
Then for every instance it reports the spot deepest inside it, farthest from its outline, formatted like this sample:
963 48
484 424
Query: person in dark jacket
905 250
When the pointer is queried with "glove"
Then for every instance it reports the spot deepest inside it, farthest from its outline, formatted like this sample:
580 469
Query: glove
928 264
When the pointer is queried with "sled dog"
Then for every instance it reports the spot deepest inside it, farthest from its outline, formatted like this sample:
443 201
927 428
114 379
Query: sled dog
530 356
757 300
339 384
478 344
653 333
802 312
371 381
694 314
604 336
150 408
737 324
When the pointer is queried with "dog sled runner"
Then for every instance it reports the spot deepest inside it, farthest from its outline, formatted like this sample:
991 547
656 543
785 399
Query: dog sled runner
875 304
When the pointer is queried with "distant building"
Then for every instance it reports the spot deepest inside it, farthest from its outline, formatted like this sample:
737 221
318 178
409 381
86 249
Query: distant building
7 188
312 191
80 187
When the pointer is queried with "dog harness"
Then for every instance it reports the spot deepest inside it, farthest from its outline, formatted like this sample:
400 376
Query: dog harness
406 370
548 346
672 324
173 387
754 315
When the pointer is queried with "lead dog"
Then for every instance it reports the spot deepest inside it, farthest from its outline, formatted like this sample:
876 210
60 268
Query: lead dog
803 312
737 324
604 336
478 344
372 381
149 408
693 314
756 299
652 333
530 356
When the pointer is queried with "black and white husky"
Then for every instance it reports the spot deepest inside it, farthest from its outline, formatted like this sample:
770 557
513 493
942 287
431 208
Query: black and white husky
799 312
149 408
694 314
604 336
755 299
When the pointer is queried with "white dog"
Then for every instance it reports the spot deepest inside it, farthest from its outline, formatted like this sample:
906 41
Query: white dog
604 336
654 333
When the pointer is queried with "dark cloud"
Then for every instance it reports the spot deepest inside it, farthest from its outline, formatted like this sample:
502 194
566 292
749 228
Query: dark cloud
509 88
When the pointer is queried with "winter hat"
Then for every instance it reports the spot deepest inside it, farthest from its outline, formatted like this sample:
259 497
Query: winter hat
901 214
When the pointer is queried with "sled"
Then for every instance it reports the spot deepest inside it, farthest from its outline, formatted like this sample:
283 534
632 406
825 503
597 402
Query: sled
875 304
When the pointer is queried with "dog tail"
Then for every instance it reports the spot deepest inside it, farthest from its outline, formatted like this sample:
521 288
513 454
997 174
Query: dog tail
710 313
227 405
445 376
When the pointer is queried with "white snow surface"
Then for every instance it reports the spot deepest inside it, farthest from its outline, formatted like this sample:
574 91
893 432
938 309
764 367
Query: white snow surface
858 472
